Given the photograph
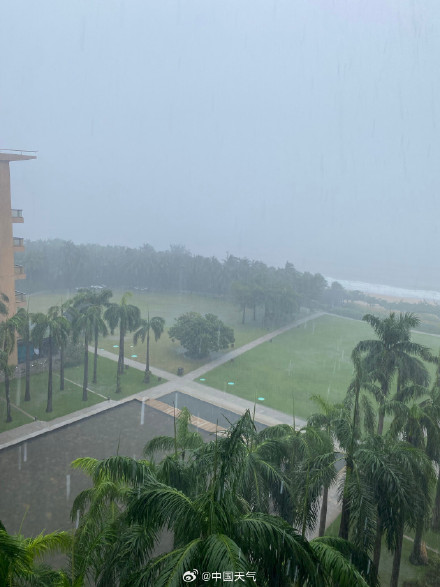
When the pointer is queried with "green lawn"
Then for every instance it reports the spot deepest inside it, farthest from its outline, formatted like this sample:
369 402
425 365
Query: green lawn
165 354
307 360
408 572
69 400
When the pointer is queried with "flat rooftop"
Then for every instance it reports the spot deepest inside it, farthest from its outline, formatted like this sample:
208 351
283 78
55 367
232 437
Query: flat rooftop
16 155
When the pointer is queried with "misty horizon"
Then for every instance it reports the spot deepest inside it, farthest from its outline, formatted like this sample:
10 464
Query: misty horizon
277 132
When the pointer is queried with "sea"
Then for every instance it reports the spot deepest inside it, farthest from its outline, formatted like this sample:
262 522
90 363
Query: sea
387 290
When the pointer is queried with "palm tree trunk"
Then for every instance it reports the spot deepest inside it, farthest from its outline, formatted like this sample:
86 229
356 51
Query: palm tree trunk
49 383
121 351
306 505
419 555
396 560
86 366
345 519
62 368
27 394
323 514
147 360
95 356
8 398
436 509
378 543
346 506
380 421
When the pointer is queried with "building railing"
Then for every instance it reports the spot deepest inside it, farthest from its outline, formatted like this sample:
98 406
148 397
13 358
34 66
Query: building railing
19 297
19 151
16 213
18 242
18 269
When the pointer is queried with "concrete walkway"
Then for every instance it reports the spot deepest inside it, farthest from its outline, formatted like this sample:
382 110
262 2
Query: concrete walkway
187 385
172 383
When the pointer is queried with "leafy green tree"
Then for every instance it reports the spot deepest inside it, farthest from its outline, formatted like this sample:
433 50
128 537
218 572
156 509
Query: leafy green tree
57 329
127 317
242 295
393 353
280 304
7 345
157 325
201 334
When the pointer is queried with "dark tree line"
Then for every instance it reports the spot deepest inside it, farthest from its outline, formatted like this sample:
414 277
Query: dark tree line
57 264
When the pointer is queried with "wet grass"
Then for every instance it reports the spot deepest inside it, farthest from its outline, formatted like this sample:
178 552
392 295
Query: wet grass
408 572
311 359
69 400
308 360
166 354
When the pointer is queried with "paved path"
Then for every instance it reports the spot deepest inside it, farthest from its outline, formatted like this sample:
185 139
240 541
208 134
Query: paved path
173 382
184 384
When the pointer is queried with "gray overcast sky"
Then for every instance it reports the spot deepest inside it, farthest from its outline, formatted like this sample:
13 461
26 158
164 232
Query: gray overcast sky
301 130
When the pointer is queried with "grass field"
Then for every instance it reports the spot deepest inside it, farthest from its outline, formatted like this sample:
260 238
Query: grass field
408 572
165 354
69 400
308 360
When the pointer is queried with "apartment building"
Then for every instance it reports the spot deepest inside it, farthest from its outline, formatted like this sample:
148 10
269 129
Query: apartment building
10 243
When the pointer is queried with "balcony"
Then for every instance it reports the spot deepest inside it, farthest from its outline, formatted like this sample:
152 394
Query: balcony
19 272
20 298
17 216
18 244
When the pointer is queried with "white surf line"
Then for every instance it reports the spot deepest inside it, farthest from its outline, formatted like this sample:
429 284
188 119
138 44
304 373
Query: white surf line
88 389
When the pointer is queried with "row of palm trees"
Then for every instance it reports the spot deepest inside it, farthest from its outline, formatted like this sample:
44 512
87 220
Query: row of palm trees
87 316
230 505
245 501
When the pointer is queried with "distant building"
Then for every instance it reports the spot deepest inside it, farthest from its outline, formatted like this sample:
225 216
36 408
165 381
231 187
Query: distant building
10 244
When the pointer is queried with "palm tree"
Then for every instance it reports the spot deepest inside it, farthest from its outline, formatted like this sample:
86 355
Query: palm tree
86 319
419 425
24 318
183 440
393 353
215 528
65 311
156 324
324 420
57 328
99 299
7 344
173 468
19 555
126 317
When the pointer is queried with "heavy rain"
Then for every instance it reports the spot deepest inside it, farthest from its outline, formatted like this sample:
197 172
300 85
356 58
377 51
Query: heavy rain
219 294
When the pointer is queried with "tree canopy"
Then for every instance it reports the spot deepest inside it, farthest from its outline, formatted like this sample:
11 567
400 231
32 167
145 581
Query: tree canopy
201 335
